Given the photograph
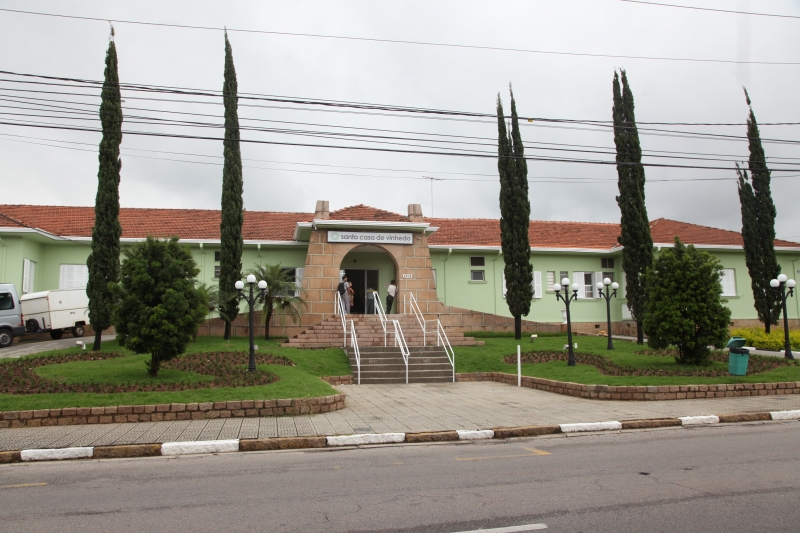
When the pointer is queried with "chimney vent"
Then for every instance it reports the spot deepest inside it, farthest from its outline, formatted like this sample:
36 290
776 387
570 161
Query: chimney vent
322 211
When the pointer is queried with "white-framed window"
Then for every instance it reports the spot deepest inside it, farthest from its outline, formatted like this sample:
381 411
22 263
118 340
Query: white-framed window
477 275
217 271
28 275
73 276
537 284
551 280
727 279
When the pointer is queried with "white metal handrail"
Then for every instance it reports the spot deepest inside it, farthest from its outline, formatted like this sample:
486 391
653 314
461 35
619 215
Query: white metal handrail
354 346
442 340
412 303
381 317
400 340
339 310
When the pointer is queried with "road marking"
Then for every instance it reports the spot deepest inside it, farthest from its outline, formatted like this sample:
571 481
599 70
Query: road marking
512 529
534 453
22 485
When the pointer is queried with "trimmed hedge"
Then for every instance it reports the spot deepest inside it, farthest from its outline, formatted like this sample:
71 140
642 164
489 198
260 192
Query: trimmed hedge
756 338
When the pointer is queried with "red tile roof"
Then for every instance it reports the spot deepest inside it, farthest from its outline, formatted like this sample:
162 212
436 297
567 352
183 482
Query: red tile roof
139 223
365 212
203 224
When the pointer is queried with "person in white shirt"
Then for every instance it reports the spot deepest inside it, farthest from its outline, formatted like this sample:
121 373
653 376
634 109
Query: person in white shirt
391 293
344 294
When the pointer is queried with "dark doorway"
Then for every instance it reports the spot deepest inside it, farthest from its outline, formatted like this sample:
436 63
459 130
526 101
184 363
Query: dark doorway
362 280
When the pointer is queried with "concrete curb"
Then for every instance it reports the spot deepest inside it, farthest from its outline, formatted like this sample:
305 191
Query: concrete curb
297 443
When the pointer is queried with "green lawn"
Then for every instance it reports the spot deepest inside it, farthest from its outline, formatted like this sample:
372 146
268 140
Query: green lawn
300 381
489 358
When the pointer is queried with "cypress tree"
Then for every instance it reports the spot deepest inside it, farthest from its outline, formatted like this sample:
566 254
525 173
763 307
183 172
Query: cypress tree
103 261
232 216
515 212
758 225
637 244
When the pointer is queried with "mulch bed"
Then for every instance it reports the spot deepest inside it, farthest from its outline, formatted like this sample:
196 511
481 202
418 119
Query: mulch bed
18 377
606 366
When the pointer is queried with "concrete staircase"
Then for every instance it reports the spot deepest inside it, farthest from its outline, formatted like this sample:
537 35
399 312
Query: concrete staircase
426 364
369 332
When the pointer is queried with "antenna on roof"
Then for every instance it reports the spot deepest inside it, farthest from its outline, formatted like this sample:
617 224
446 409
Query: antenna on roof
432 179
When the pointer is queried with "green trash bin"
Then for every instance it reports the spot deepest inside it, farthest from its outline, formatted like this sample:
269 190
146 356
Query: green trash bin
738 357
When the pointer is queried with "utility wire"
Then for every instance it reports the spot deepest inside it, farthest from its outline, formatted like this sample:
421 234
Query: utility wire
402 41
696 8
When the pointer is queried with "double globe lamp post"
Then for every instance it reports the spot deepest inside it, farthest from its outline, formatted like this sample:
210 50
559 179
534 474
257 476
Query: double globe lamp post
779 287
252 300
608 295
567 299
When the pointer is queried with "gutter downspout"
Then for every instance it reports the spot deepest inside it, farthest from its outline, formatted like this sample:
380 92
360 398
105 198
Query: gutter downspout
5 257
258 246
202 263
494 275
444 272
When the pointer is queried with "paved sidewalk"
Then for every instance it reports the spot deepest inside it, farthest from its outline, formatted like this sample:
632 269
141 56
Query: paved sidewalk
397 408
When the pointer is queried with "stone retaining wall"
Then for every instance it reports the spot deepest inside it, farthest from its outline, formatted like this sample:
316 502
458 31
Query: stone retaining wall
663 392
338 380
170 411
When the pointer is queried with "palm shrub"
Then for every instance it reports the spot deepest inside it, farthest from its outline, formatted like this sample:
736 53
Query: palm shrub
160 307
683 305
281 295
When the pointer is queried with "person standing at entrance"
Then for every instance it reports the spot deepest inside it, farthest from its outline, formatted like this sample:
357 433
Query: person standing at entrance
344 294
391 293
351 296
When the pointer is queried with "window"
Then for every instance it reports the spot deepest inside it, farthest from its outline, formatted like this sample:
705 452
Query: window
537 284
294 275
217 270
588 285
217 256
607 262
73 277
586 282
727 279
561 275
609 275
477 261
6 301
28 275
477 275
551 280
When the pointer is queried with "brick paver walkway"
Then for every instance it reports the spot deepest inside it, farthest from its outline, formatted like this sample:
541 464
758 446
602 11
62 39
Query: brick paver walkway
397 408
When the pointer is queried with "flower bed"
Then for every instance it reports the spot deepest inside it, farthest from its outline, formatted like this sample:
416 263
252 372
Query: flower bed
226 368
608 367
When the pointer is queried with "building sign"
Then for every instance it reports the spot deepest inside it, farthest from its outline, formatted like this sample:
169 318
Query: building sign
370 237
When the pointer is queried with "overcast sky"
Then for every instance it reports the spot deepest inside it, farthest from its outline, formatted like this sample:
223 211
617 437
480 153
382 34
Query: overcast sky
283 178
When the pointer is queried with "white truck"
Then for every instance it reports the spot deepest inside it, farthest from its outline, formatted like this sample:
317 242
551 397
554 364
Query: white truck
55 312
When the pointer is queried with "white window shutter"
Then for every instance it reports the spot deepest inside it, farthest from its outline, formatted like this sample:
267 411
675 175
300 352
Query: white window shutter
728 280
298 280
626 313
26 275
577 277
65 277
598 278
537 284
504 285
623 287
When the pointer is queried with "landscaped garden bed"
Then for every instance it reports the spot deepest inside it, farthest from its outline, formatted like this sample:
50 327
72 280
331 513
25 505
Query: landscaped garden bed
213 371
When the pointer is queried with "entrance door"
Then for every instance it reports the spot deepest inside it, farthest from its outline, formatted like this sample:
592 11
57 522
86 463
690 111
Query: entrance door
362 280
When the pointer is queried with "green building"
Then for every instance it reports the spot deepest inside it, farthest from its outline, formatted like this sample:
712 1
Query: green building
452 267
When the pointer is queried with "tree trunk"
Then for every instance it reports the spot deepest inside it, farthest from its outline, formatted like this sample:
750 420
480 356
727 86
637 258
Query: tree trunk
266 324
98 333
767 326
639 332
227 335
518 327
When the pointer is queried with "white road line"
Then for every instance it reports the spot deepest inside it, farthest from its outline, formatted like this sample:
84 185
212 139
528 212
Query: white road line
512 529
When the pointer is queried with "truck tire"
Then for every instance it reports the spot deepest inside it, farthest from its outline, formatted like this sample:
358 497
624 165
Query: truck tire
78 331
6 338
56 334
31 325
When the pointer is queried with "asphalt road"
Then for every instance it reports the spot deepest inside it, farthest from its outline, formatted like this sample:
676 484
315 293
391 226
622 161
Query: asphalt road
723 478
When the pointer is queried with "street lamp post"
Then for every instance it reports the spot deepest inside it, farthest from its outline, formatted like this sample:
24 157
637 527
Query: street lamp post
567 299
251 301
605 294
779 287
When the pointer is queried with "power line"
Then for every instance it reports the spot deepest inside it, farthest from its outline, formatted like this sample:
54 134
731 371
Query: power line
713 9
402 41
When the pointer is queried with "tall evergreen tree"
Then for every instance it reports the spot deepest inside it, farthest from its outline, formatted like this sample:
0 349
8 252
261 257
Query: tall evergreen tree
637 244
515 212
103 262
232 219
758 225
